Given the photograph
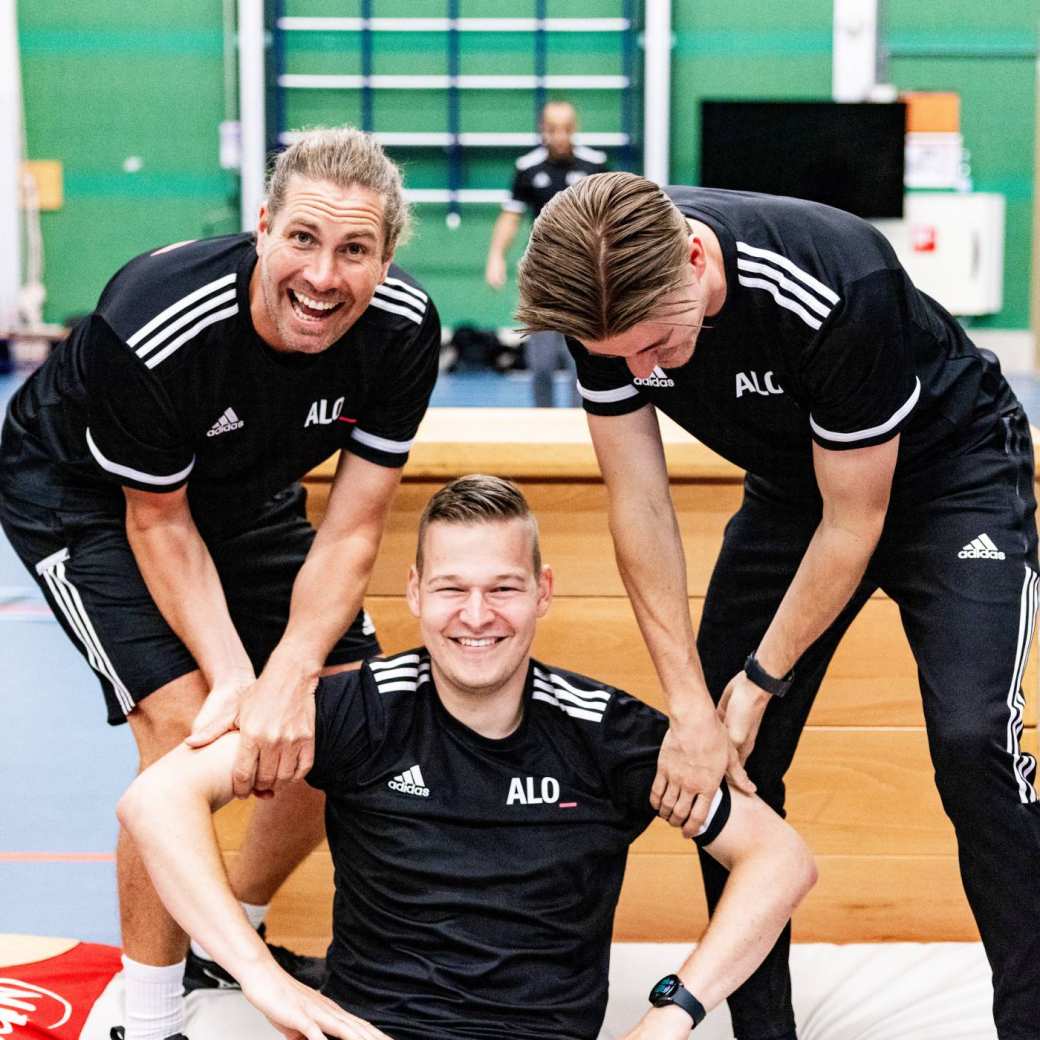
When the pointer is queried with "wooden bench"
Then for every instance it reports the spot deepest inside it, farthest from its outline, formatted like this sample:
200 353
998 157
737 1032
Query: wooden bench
861 789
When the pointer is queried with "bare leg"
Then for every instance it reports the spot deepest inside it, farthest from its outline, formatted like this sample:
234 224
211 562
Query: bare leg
282 832
159 723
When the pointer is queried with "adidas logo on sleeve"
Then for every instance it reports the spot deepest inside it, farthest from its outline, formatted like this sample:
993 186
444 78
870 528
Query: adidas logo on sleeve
410 782
659 377
981 548
225 424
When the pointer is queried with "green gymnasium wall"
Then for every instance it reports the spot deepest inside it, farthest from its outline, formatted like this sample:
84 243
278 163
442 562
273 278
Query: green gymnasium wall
107 80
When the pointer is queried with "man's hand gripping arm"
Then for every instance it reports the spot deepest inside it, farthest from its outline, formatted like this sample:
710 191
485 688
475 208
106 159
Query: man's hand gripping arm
696 752
276 714
168 812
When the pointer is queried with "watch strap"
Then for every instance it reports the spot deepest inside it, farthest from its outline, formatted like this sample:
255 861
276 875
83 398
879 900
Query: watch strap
690 1004
761 678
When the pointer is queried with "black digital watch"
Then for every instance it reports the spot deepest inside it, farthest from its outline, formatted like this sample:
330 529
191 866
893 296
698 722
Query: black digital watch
670 990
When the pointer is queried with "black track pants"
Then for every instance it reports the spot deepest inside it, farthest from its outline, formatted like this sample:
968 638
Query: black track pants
959 556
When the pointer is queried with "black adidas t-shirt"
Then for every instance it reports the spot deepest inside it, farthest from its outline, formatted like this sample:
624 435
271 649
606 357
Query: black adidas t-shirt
539 177
476 879
168 383
822 337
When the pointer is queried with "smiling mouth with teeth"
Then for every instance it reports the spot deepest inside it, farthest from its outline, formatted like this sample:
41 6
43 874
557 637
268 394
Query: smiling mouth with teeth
307 307
477 643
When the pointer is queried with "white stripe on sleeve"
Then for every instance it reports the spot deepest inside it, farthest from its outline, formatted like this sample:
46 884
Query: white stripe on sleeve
371 440
176 308
781 261
395 308
183 338
784 301
203 308
874 431
620 393
136 474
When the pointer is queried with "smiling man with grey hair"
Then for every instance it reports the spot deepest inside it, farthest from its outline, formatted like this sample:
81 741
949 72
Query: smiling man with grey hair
148 481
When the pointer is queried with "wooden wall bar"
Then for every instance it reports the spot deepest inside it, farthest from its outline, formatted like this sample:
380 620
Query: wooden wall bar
861 788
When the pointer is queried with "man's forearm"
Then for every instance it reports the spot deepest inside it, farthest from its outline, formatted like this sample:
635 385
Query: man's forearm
504 232
171 824
650 558
183 581
761 893
327 596
830 571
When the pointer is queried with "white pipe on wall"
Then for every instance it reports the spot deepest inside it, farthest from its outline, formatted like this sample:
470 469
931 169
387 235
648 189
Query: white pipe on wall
251 51
657 89
854 70
10 165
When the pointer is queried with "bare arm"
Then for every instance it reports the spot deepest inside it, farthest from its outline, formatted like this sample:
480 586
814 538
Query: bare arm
855 486
276 717
502 236
650 557
771 870
183 581
168 812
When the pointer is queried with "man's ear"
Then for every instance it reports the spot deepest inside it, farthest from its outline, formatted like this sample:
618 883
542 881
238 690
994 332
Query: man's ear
545 590
412 590
263 222
698 256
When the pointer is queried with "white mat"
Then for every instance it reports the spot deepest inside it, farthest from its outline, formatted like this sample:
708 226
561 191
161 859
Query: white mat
885 991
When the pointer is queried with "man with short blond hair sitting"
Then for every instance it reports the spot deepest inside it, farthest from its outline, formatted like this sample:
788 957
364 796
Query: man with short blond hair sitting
480 807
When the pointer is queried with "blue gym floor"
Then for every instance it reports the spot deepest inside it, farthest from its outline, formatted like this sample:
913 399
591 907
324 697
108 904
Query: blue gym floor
64 768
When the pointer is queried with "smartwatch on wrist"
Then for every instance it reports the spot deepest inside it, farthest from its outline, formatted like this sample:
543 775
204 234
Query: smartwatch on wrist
761 678
670 990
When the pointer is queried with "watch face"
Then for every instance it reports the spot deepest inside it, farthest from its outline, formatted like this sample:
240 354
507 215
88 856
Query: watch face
664 990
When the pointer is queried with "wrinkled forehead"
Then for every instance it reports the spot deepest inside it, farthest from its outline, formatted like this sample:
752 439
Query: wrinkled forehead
319 200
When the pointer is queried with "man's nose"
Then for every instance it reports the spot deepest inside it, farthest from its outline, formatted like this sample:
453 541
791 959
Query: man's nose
321 271
474 611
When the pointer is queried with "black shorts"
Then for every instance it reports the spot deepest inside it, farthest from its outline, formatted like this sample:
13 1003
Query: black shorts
87 571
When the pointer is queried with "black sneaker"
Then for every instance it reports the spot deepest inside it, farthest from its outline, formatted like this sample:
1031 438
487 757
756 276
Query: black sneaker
118 1033
200 973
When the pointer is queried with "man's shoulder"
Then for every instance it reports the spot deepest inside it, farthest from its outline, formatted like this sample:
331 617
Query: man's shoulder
831 246
590 159
579 697
535 157
399 302
171 291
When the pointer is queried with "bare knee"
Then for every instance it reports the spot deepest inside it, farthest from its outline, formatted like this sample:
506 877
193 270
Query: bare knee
163 719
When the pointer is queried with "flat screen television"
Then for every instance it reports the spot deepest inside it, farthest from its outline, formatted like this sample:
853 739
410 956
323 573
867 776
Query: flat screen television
848 155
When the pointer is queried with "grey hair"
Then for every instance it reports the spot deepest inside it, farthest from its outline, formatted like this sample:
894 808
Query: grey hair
344 156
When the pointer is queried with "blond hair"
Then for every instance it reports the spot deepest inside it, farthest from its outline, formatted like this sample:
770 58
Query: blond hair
344 156
601 255
474 499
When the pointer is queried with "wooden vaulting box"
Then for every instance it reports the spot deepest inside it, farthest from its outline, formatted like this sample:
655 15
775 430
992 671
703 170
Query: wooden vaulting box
861 789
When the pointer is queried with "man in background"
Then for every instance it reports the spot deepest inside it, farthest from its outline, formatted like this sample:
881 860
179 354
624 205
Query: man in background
554 165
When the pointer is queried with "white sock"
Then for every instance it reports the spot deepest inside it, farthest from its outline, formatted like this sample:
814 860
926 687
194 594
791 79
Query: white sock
154 1000
256 915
